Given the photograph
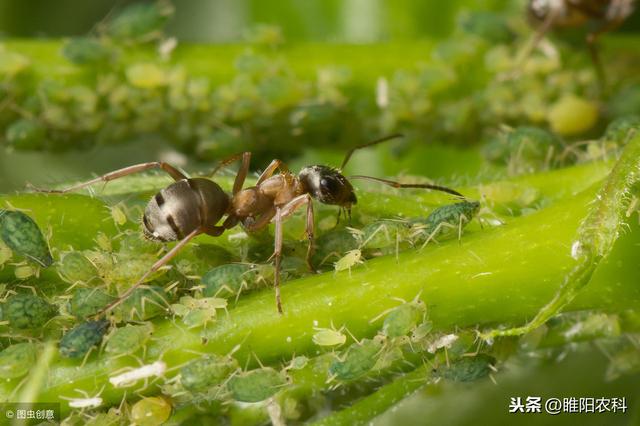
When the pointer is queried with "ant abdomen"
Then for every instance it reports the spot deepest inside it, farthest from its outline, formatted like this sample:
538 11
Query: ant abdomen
183 207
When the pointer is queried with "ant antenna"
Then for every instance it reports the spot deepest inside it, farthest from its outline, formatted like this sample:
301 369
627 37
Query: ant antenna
375 142
410 185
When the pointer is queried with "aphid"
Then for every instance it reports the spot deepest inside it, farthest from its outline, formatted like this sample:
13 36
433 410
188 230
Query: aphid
193 206
143 304
557 14
151 411
85 51
24 272
128 339
118 215
210 370
256 385
198 312
5 253
349 260
17 360
79 340
385 233
75 267
87 302
231 279
22 235
140 22
402 319
25 311
329 337
467 369
298 363
358 359
446 220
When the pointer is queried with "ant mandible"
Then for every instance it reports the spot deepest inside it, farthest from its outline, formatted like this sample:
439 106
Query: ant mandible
193 206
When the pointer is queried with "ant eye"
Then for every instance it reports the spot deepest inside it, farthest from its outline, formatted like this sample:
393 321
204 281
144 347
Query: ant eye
329 184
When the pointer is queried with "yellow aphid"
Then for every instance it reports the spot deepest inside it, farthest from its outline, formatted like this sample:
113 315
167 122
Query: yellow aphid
103 242
349 260
23 272
118 215
5 253
572 115
328 337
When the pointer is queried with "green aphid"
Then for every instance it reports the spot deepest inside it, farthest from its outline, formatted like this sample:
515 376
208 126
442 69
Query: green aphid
134 243
75 267
421 332
230 280
384 233
128 267
622 129
26 134
128 339
468 369
359 359
27 311
17 360
87 302
332 243
79 340
256 385
22 235
446 220
143 304
85 51
206 372
140 21
5 253
403 319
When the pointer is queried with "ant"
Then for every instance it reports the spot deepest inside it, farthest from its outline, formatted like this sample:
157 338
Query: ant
607 15
193 206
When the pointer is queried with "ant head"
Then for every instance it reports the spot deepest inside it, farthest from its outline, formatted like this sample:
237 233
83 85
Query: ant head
328 186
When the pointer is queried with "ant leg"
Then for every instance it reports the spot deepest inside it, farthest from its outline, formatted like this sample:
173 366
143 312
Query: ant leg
277 253
410 185
159 264
172 171
242 172
290 208
270 170
262 221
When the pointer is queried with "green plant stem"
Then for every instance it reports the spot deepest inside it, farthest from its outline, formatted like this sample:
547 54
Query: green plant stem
496 276
596 236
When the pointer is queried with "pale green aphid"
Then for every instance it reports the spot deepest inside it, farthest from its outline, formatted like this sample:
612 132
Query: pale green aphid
329 337
198 312
24 272
298 363
118 215
22 235
445 221
151 411
5 253
349 260
128 339
404 318
359 359
384 233
256 385
210 370
232 279
17 360
75 267
421 331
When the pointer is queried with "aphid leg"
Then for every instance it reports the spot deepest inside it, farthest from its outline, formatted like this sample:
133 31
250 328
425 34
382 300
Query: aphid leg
290 208
435 232
159 264
270 170
410 185
117 174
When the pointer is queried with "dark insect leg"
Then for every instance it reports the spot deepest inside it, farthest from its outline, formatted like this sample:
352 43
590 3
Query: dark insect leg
410 185
159 264
172 171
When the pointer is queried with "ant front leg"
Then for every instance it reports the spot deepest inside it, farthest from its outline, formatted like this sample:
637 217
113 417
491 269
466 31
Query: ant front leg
290 208
242 172
156 266
117 174
270 170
